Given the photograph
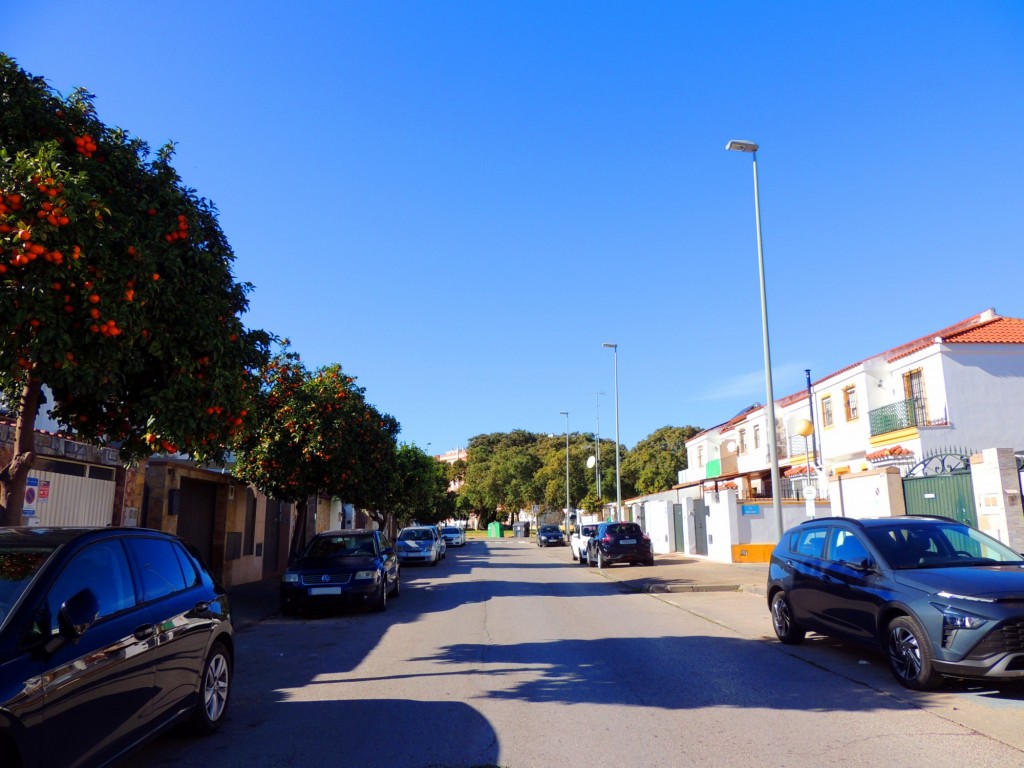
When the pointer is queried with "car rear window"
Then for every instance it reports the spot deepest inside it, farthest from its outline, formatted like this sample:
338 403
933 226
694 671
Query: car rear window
624 529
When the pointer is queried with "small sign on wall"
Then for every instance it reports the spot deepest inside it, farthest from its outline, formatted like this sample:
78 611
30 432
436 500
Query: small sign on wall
750 510
28 509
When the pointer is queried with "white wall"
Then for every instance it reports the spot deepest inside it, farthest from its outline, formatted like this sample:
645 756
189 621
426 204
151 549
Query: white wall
74 501
660 525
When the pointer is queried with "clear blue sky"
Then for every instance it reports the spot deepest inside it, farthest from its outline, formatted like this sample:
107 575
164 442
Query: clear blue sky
460 201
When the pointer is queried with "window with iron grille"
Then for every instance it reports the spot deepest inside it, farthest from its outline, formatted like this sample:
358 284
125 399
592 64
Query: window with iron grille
850 403
826 411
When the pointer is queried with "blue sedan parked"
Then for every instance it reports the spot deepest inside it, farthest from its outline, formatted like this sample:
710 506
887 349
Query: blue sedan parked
347 567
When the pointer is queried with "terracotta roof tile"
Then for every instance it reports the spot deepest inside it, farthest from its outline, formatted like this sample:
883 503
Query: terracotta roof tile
1001 330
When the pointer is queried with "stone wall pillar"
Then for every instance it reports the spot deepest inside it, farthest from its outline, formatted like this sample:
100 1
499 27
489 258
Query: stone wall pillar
997 496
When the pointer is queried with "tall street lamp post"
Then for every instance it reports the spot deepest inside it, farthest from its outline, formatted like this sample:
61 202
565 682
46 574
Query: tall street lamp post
566 414
597 443
618 476
773 448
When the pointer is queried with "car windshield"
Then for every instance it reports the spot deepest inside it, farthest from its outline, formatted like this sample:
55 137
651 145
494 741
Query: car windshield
415 534
341 546
452 531
912 544
17 567
549 529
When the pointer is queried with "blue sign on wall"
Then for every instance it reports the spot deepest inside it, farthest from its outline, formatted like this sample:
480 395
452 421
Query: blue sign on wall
750 510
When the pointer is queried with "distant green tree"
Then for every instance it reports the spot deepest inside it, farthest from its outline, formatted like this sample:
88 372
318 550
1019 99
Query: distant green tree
419 490
653 464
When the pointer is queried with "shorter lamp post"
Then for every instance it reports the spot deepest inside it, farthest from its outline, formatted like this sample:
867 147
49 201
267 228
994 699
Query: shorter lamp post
566 414
805 429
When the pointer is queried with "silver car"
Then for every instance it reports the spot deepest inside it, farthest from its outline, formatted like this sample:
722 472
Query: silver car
419 544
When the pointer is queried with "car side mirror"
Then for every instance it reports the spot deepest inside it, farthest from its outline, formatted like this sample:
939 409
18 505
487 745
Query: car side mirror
75 616
78 614
862 564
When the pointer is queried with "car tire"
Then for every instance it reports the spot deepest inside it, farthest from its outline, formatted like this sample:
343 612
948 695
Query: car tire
288 610
583 557
435 560
214 691
572 554
910 654
397 591
590 559
380 603
601 559
785 626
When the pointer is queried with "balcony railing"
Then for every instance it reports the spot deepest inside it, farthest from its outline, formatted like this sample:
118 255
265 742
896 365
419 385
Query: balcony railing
912 412
895 416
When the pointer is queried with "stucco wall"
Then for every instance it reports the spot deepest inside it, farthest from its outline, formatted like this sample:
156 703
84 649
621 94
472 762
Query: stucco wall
875 493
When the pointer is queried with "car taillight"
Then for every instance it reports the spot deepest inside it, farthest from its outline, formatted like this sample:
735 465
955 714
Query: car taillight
647 538
607 539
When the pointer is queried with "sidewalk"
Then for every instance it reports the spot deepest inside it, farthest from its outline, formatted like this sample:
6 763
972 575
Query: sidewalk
688 573
252 603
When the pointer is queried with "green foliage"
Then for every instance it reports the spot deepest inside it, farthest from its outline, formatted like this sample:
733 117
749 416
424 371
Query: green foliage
115 284
420 491
314 433
653 464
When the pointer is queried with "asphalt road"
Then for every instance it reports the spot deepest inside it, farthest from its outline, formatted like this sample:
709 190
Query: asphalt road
507 655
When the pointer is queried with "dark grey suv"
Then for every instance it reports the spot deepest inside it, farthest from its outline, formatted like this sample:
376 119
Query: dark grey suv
937 596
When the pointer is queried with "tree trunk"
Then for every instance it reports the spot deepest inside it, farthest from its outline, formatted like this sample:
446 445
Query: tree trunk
299 532
13 477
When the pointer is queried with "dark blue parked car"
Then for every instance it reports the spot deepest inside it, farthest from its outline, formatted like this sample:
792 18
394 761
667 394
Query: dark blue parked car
937 596
107 637
619 543
346 567
548 535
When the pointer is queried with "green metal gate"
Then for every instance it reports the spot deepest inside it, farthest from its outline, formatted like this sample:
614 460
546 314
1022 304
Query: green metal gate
941 485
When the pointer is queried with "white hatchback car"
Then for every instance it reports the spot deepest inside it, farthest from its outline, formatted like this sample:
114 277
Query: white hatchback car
455 536
419 544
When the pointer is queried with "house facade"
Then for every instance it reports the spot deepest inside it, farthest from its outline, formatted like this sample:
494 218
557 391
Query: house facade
952 394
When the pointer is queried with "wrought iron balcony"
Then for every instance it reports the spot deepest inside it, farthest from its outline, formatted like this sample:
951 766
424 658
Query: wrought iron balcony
896 416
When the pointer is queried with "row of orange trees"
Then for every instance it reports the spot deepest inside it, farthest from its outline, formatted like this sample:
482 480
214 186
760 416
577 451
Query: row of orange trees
123 321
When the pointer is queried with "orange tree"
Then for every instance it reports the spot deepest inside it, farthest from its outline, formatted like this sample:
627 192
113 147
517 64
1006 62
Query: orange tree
313 433
120 312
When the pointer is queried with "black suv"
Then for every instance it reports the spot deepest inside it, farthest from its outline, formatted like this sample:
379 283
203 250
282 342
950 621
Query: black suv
937 596
619 543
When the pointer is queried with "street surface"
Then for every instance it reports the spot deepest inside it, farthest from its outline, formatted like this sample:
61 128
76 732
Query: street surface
509 655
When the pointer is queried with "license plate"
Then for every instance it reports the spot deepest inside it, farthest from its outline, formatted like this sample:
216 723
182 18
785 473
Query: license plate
627 541
325 590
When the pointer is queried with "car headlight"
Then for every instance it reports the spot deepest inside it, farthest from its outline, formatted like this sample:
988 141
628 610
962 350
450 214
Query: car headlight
290 578
364 575
954 618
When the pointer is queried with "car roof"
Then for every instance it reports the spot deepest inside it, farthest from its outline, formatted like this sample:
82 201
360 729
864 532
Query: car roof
878 522
28 536
348 531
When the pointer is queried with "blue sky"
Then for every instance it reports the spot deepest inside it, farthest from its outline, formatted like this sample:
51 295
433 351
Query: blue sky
460 201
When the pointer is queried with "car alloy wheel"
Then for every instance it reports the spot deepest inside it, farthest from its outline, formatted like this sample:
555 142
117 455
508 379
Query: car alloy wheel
786 629
910 656
600 559
381 603
214 690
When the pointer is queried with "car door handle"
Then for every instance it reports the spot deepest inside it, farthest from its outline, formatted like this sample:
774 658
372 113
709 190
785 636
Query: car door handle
145 632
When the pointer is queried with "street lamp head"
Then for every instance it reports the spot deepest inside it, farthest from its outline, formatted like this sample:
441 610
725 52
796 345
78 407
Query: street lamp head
607 345
741 146
563 413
